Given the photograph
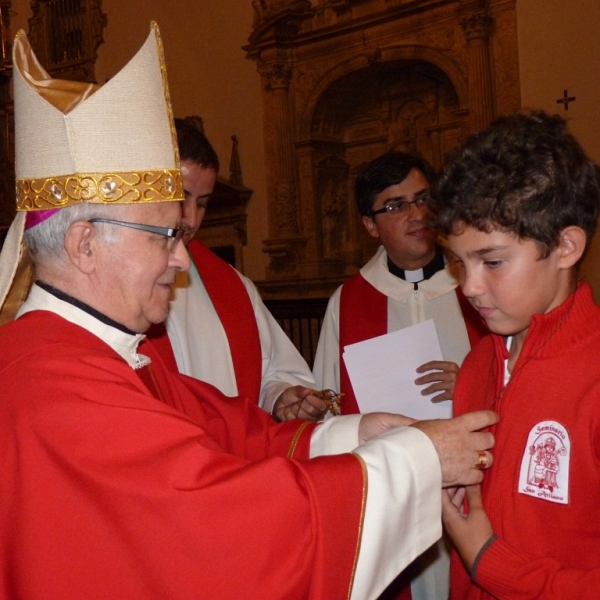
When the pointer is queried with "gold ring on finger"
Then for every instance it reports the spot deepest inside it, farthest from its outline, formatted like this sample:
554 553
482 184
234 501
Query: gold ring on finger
482 460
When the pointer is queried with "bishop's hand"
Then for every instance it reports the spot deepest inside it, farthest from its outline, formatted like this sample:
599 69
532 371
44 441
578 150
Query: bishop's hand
463 450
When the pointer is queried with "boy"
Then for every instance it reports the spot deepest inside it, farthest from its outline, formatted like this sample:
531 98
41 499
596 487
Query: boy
519 203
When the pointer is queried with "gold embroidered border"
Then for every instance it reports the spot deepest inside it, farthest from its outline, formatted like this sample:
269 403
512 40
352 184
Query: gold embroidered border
133 187
297 438
362 518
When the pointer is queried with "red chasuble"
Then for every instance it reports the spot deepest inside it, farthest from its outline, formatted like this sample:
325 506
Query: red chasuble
109 492
236 313
363 315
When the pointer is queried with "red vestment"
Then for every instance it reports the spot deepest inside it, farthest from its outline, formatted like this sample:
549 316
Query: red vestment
236 313
108 492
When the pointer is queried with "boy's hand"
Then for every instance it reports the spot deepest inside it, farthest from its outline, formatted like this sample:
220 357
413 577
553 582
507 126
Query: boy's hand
442 379
468 532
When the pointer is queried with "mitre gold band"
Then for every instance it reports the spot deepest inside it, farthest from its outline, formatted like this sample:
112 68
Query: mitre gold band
133 187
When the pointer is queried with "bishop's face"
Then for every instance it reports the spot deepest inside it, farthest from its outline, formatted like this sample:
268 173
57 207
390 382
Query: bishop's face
136 271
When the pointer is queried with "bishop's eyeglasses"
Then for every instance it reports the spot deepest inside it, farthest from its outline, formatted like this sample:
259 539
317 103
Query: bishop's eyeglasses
173 233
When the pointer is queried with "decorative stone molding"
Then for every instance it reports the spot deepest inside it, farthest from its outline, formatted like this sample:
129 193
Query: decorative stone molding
346 80
477 25
277 21
285 207
278 76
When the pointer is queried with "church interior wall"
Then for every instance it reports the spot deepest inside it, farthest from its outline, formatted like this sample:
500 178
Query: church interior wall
210 76
559 49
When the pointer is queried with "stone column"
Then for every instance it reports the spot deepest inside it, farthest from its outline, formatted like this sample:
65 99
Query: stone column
286 244
284 190
477 27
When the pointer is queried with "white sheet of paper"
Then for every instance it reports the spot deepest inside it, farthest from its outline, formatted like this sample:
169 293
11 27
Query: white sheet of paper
382 371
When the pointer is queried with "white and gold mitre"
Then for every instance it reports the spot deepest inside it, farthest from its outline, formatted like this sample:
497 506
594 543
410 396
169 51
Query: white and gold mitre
77 142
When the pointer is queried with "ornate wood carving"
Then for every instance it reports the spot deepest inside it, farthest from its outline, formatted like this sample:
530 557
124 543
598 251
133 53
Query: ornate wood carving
477 27
344 81
66 35
224 225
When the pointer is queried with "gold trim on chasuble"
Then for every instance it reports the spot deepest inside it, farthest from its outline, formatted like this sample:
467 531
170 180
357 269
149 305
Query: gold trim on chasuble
362 518
133 187
296 439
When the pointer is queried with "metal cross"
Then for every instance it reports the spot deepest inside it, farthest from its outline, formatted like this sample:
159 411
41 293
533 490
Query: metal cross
566 99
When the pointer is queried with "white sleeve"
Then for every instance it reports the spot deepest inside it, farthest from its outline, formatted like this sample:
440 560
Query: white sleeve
282 364
403 500
326 368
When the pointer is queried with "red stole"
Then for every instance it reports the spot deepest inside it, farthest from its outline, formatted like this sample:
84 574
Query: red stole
236 313
363 315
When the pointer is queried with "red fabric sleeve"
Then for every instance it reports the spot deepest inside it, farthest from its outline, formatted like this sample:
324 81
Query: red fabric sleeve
238 424
543 550
507 573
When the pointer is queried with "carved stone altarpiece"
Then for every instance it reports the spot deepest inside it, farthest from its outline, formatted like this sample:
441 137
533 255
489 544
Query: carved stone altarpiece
346 80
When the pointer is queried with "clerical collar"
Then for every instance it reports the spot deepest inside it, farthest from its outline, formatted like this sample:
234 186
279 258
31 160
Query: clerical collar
84 307
123 341
436 264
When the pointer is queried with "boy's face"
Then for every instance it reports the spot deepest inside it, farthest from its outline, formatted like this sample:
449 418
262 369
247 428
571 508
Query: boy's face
505 279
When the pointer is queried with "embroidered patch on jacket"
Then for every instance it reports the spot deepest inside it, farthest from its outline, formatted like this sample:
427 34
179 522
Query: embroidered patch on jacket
545 464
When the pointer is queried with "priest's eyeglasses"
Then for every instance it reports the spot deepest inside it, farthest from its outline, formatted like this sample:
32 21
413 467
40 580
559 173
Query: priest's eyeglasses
402 207
174 234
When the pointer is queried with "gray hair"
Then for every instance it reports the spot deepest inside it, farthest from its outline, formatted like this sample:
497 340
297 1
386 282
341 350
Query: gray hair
47 239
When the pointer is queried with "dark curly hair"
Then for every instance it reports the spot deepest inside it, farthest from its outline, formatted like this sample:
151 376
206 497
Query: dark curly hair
524 174
388 169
